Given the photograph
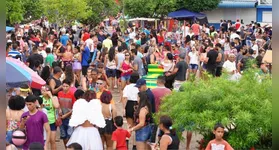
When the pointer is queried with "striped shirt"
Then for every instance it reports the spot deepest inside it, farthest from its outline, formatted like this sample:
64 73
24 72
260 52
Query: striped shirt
66 101
14 53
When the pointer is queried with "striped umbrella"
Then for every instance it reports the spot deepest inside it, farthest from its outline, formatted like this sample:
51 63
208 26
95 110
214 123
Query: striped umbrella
22 72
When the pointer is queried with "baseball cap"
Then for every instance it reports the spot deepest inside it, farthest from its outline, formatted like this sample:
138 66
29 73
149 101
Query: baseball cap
140 82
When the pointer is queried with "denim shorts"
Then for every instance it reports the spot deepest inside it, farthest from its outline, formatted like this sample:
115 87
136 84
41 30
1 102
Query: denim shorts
9 136
143 134
193 66
53 127
125 78
110 72
65 130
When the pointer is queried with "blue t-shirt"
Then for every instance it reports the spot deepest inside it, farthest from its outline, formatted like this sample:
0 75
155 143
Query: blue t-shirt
64 38
85 56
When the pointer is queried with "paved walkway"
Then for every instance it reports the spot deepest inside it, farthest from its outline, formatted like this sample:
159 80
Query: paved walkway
119 107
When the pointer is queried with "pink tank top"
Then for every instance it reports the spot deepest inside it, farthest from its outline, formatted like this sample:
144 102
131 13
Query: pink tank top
126 67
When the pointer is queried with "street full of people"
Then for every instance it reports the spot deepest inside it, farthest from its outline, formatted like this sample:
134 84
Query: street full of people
83 67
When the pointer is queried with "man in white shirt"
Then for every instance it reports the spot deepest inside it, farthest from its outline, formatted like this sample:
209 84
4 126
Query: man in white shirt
230 67
255 47
185 30
234 35
90 43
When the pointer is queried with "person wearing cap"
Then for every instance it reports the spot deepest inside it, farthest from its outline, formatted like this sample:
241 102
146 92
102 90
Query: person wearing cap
141 85
41 50
64 38
180 71
21 42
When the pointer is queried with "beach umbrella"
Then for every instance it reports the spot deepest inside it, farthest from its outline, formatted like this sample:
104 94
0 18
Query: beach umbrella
36 81
15 76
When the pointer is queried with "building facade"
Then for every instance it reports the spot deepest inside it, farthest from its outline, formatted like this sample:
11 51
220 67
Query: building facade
244 10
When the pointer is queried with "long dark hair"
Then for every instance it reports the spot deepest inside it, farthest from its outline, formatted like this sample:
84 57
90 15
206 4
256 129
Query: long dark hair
45 74
69 74
143 102
166 121
111 54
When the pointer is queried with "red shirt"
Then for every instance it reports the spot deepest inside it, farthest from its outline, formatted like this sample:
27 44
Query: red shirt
120 135
222 145
66 100
175 54
86 36
159 93
196 29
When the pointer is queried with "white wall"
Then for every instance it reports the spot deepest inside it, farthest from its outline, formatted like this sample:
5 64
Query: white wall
267 16
247 14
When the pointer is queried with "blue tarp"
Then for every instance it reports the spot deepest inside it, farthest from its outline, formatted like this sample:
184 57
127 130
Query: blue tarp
184 13
9 28
231 4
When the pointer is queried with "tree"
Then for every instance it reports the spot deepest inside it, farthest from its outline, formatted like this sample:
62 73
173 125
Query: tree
100 10
243 107
160 8
64 12
197 5
32 8
14 11
139 8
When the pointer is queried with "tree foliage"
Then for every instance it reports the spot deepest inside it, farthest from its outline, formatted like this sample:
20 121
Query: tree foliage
14 11
18 11
32 8
64 12
160 8
244 107
146 8
100 10
197 5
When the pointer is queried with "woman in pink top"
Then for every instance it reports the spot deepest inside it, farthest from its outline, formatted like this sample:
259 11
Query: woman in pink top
126 69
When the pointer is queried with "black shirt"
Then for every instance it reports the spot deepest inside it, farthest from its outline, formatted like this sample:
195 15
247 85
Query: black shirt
212 56
181 73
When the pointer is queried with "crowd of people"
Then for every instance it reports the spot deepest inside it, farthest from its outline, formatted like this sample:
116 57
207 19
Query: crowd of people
83 67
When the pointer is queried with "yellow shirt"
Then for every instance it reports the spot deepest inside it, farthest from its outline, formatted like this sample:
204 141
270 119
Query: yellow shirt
107 43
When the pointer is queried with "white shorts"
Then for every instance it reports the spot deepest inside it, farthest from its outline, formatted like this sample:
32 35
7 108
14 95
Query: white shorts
177 84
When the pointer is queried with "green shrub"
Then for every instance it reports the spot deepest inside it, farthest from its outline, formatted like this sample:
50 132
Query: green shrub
243 107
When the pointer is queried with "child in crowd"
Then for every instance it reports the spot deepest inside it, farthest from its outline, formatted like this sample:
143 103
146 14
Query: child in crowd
74 146
218 143
119 135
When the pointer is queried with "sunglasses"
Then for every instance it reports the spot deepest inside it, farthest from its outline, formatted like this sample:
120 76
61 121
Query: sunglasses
127 55
99 83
